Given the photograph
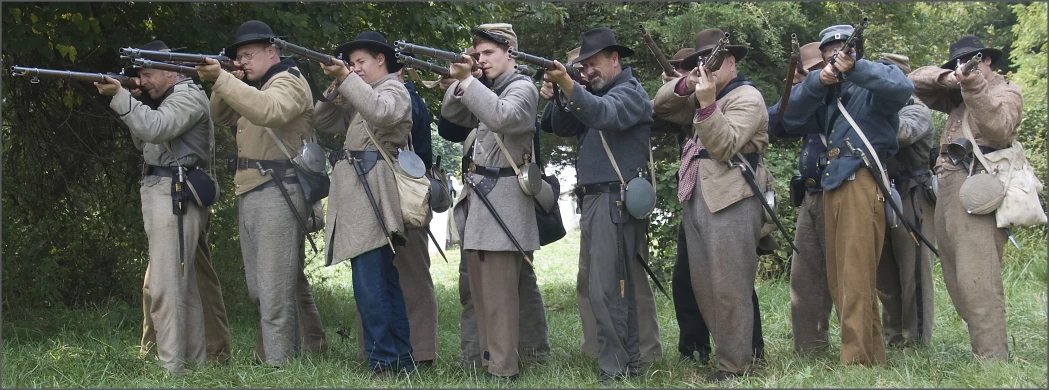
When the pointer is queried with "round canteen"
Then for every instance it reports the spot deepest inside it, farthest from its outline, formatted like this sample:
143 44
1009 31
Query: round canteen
311 157
440 198
891 217
411 163
981 194
546 197
530 179
640 198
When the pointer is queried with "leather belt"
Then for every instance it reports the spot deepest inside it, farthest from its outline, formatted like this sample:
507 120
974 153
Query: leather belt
597 188
276 165
503 172
752 158
339 154
834 153
158 170
272 183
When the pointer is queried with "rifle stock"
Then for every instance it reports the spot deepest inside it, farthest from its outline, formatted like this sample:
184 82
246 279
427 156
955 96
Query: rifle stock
795 58
662 59
36 73
547 64
181 58
283 45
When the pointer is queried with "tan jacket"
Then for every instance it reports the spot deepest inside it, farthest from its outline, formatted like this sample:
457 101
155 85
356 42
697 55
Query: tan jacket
284 104
181 119
739 125
385 107
995 107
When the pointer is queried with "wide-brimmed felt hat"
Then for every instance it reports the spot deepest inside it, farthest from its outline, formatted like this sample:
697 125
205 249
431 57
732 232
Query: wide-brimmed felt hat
374 41
598 39
968 46
706 41
680 55
810 55
252 31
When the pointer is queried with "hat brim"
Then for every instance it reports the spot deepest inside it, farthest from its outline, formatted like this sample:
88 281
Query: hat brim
738 51
392 65
231 50
622 50
993 53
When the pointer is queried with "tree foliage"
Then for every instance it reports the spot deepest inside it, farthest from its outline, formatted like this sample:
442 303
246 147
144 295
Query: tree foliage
72 227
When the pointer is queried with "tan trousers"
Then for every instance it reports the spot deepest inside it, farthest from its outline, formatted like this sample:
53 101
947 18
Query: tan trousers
494 278
175 306
216 326
855 213
647 318
810 301
897 288
971 250
723 262
413 268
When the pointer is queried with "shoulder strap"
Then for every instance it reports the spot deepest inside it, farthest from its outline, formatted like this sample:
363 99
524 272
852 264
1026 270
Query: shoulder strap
863 137
279 142
976 148
378 146
611 158
498 140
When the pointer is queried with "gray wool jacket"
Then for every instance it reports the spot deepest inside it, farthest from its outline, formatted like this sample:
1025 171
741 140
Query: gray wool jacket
620 110
511 117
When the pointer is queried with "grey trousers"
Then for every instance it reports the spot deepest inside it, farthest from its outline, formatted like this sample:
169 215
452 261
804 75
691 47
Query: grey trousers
270 242
175 306
897 286
534 339
647 321
216 326
810 300
311 330
420 300
971 250
611 252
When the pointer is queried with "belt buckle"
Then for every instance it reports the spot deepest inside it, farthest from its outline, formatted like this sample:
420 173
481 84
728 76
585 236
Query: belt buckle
810 182
833 153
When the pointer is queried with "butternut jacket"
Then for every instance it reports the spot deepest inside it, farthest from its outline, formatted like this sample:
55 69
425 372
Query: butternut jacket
385 107
181 118
739 125
282 102
995 107
511 117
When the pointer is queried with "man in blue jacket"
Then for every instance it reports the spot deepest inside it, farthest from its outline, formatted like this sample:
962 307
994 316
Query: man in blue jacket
872 94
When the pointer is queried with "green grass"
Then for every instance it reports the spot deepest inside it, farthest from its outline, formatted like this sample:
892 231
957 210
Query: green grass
97 347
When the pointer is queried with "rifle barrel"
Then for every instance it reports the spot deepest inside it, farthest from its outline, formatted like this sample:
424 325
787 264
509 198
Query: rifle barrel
148 64
525 70
309 54
538 61
70 75
439 54
972 64
422 65
651 43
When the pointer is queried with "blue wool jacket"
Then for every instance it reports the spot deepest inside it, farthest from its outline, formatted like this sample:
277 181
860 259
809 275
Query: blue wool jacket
812 148
873 94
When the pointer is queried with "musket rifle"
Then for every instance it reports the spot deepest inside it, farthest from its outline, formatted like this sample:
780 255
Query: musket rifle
189 59
795 59
716 58
855 41
423 65
970 65
662 59
283 45
36 73
443 55
187 71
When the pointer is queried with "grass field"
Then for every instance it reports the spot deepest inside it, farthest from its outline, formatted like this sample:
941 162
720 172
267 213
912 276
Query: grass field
98 347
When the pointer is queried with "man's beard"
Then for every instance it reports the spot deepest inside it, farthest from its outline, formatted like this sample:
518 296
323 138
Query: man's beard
596 85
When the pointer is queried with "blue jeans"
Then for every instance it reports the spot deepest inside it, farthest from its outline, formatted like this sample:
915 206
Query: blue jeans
377 290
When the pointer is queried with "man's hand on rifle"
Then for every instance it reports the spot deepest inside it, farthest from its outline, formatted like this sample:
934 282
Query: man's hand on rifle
337 70
960 78
706 86
667 78
110 88
547 91
845 62
461 70
559 76
211 71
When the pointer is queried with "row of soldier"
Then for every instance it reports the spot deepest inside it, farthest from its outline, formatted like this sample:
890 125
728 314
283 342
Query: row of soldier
849 111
